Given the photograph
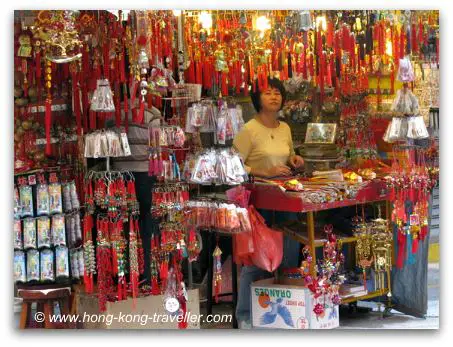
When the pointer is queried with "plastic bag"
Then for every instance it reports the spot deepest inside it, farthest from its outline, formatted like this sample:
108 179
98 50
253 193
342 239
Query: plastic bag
268 244
262 247
243 248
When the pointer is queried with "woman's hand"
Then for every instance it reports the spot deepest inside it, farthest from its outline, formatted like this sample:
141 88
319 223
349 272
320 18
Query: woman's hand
296 161
279 170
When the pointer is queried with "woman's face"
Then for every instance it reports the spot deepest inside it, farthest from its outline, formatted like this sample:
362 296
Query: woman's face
271 100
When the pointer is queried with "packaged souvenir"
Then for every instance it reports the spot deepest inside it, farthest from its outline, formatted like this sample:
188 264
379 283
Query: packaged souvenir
221 129
32 265
17 207
233 222
67 204
42 199
62 262
243 214
58 230
19 267
55 198
74 264
18 237
29 232
44 236
78 228
47 267
74 197
26 200
81 261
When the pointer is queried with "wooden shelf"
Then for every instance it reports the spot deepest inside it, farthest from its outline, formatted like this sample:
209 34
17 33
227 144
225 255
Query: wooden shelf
371 295
302 236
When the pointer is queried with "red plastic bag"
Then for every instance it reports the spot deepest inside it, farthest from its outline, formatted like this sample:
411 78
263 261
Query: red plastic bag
267 243
243 248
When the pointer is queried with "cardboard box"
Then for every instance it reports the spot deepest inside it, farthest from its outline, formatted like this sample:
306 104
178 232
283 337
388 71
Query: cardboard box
283 306
330 319
152 306
278 306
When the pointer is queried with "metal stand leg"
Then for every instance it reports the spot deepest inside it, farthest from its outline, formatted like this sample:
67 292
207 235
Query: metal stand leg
210 272
311 240
234 276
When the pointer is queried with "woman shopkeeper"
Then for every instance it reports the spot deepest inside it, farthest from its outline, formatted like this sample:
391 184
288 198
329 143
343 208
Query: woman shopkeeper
266 146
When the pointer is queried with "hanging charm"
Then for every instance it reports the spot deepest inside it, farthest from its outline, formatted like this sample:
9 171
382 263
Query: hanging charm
217 255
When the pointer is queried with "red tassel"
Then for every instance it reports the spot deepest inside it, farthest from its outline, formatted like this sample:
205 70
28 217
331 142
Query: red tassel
401 249
311 66
199 76
329 36
38 65
155 286
141 113
414 245
117 111
47 125
414 45
182 324
122 68
224 84
92 120
85 106
395 47
402 47
76 98
106 51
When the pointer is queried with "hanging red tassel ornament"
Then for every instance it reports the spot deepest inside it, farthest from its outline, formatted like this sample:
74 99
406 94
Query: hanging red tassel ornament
329 34
401 248
311 65
48 108
224 84
217 255
415 242
402 47
76 101
395 47
414 40
381 39
141 113
106 57
345 37
88 247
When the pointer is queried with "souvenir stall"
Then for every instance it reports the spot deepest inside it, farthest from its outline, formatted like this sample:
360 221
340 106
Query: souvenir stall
362 91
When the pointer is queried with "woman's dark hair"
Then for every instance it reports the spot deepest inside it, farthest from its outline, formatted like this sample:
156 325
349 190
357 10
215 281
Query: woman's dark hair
271 83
